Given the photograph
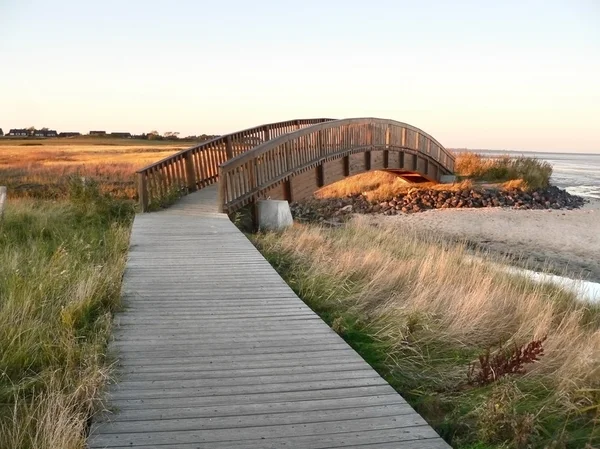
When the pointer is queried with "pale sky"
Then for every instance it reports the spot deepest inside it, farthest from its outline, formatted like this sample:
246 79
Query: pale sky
515 75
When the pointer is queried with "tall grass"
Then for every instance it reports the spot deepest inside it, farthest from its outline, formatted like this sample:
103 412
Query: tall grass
535 173
420 312
60 274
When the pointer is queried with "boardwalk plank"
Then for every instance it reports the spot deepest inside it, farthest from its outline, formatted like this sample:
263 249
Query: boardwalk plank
407 424
254 408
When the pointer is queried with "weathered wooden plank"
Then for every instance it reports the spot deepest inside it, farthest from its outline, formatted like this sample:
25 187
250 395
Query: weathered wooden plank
189 347
413 423
262 354
253 408
203 383
189 372
418 438
230 371
253 398
211 422
224 390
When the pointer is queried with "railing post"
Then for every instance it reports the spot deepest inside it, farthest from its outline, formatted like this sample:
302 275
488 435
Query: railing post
267 135
228 148
3 193
386 152
320 145
387 136
143 191
190 173
222 191
297 124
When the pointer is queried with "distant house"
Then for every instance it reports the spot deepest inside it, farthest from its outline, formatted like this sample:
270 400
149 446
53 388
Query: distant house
121 135
45 133
97 133
69 134
18 132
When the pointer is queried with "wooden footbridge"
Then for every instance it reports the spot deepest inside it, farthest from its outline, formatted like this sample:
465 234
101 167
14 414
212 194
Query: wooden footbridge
215 350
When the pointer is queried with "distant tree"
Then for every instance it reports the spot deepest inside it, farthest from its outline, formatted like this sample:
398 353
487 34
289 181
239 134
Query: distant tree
154 135
44 129
171 135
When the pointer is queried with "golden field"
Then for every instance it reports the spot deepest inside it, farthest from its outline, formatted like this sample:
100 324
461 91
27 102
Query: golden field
40 168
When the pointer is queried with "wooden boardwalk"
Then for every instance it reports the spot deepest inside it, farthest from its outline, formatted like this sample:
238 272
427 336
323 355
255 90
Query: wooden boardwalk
216 351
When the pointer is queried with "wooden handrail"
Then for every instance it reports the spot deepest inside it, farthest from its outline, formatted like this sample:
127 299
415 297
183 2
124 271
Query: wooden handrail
246 176
197 167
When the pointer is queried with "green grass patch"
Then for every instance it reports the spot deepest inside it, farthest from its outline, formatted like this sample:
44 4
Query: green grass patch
61 264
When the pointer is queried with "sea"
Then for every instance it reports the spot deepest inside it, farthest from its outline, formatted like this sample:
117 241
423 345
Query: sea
577 173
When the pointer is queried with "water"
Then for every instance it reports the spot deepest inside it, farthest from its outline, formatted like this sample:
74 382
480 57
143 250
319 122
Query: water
584 290
578 174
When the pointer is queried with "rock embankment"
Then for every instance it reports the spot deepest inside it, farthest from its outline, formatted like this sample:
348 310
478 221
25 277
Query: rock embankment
419 200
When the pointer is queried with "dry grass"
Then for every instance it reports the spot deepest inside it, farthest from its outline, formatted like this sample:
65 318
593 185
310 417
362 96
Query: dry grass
435 310
40 169
533 173
357 184
61 264
471 164
380 186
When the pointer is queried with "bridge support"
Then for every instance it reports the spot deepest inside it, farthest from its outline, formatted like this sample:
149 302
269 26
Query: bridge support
273 215
190 173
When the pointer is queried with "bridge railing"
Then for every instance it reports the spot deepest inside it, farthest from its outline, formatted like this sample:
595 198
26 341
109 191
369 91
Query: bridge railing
198 166
245 177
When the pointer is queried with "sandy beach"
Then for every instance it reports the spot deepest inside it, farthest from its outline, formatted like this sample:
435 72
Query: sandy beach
565 242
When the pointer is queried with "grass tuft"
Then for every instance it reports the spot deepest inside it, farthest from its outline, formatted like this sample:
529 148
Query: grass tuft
533 173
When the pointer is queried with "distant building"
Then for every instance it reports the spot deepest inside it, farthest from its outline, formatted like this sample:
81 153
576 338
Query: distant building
18 132
69 134
121 135
97 133
45 133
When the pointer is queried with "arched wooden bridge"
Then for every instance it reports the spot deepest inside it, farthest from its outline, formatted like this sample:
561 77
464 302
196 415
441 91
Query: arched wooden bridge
290 160
214 349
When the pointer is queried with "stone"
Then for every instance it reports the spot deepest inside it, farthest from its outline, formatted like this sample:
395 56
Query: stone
274 215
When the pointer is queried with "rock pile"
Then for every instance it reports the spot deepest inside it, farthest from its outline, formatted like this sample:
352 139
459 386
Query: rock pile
419 200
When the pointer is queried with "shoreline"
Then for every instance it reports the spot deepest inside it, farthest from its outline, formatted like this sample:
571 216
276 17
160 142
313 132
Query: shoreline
562 242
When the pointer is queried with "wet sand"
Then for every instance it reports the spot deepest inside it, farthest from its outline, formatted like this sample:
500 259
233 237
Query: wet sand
565 242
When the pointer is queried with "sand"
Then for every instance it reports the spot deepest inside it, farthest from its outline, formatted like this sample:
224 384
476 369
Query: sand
565 242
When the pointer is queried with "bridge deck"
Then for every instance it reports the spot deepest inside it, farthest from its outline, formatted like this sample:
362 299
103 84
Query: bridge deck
216 351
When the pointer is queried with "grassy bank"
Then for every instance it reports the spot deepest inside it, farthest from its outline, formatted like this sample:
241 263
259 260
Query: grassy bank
422 314
525 172
61 264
